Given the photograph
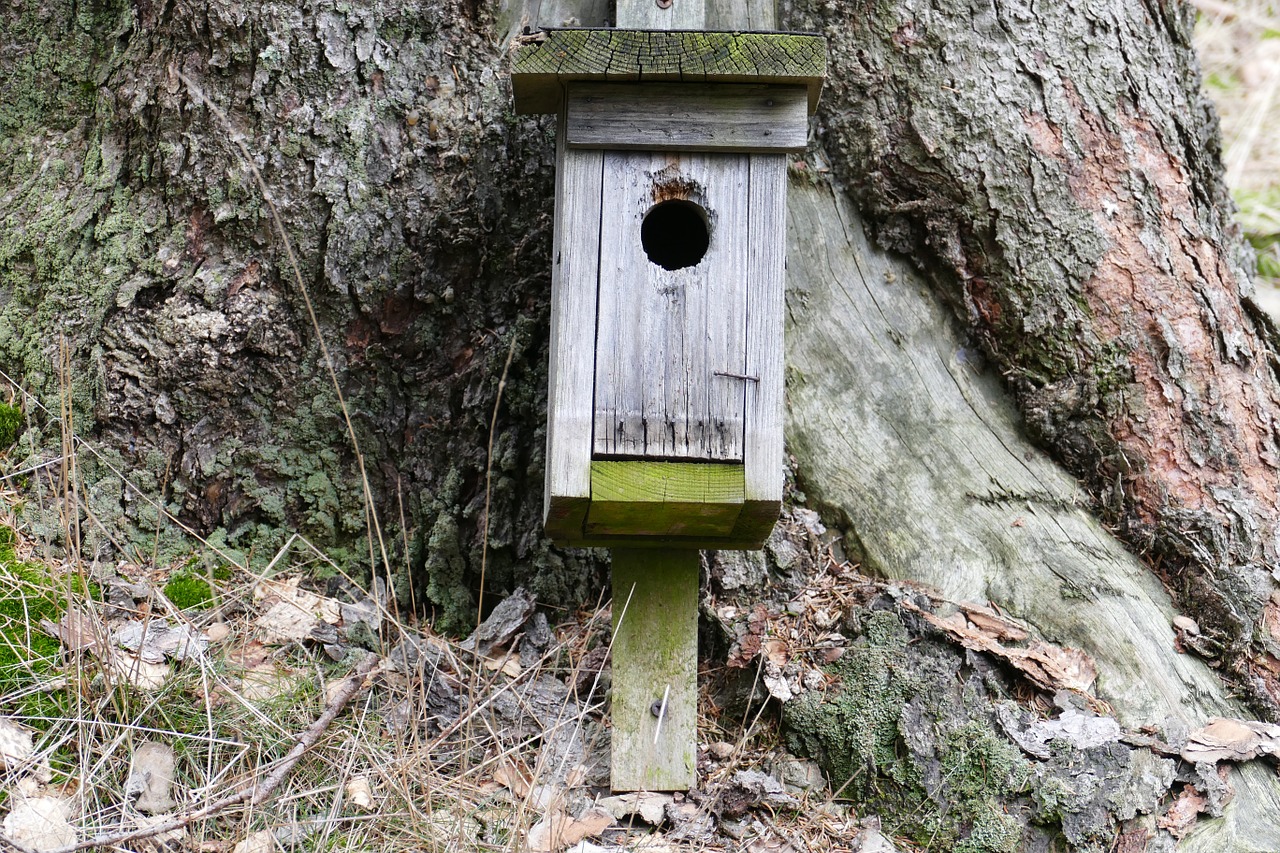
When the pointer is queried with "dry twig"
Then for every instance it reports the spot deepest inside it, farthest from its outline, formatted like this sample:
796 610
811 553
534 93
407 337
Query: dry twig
253 794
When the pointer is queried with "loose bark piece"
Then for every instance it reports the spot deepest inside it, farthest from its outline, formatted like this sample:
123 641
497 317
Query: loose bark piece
503 623
1182 815
1231 740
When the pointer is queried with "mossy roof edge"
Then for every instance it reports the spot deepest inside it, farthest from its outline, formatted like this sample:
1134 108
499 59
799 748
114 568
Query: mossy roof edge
545 62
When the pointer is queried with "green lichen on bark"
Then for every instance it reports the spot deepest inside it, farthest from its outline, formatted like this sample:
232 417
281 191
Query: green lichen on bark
419 208
895 735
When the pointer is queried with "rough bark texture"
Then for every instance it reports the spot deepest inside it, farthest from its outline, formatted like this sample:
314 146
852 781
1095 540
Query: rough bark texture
418 205
1054 170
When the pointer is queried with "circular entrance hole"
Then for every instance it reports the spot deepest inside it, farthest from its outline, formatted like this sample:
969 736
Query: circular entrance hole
675 234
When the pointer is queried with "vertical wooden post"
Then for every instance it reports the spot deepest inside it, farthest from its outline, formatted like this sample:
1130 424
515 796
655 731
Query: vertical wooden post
655 591
655 669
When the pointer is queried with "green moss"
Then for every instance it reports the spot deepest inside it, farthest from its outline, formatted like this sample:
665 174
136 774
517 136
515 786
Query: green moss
29 594
859 732
856 728
10 424
188 592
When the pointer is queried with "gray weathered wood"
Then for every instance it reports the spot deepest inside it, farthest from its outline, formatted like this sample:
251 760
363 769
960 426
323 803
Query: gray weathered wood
687 117
655 654
925 456
766 284
575 250
545 65
664 336
744 15
648 15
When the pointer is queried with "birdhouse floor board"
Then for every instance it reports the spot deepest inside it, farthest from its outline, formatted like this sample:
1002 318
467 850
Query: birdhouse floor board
654 696
687 117
665 498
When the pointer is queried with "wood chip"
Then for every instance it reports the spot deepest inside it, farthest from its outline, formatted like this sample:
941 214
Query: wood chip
1182 815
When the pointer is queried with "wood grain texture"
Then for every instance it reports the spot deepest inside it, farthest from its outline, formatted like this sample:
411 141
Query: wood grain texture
541 69
766 286
742 15
664 336
655 653
646 15
906 437
575 263
664 499
687 117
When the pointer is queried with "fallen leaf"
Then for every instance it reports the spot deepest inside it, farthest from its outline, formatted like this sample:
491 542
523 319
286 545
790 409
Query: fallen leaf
79 631
40 824
776 651
150 778
515 775
16 743
263 841
292 613
557 830
360 793
163 839
265 681
137 672
1182 815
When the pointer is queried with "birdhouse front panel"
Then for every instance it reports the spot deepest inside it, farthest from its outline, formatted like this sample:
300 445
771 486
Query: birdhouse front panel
671 335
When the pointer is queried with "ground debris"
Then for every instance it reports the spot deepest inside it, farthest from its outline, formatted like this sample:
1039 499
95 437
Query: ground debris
748 789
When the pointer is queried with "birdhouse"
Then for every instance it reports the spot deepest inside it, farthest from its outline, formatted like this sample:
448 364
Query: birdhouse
666 381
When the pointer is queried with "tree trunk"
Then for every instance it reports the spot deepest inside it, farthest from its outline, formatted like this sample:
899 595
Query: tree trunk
1042 385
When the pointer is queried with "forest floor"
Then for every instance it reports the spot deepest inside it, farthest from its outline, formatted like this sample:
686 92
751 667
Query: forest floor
201 706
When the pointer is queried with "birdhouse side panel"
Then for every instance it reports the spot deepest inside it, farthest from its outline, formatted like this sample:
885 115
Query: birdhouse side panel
766 295
574 274
671 331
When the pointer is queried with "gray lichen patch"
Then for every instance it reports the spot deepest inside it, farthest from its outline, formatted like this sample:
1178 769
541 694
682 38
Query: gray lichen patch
945 746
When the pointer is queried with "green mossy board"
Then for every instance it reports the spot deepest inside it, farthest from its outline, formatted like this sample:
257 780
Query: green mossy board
655 670
543 65
665 498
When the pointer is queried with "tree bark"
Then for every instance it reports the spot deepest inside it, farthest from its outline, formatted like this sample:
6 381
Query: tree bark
1039 382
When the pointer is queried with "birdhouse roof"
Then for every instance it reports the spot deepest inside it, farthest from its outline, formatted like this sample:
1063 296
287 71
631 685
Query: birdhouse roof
548 60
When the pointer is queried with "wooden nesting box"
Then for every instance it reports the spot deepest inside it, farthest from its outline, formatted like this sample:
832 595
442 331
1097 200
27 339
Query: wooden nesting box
665 408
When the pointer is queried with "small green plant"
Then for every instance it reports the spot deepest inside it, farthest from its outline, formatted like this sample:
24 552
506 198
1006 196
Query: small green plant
188 592
10 424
